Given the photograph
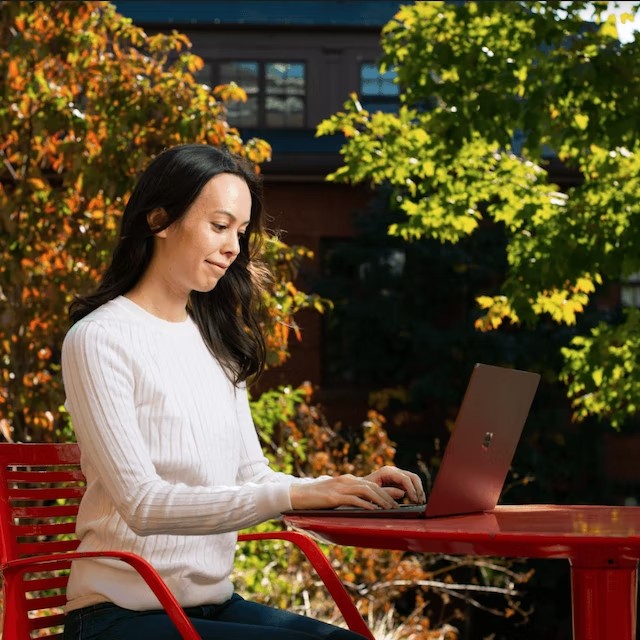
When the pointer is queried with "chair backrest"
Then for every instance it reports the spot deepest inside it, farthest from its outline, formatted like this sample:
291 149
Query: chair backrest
40 490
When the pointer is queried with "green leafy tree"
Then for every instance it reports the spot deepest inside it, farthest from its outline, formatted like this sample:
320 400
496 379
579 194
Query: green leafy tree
87 100
491 92
401 330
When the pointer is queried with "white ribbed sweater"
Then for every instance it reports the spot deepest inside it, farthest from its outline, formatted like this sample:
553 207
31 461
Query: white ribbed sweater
173 463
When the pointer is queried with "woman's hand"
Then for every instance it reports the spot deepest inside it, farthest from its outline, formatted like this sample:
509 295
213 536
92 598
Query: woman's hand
342 491
379 489
399 483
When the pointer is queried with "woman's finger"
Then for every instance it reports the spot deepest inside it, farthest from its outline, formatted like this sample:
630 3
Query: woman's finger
395 492
374 493
408 481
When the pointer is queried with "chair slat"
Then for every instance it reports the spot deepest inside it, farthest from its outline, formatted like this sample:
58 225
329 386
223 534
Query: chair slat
47 493
52 511
47 529
42 584
46 602
39 548
68 475
44 622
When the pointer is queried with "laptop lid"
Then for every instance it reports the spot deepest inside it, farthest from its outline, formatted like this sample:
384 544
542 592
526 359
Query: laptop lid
484 440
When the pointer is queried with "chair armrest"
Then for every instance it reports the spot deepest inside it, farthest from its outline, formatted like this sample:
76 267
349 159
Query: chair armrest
144 568
325 571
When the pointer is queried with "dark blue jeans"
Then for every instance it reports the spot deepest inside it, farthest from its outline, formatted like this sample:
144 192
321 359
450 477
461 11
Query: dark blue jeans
235 619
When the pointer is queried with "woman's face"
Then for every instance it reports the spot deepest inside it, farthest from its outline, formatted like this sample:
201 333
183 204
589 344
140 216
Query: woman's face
195 252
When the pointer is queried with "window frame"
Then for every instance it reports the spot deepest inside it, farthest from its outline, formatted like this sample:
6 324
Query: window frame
390 101
261 121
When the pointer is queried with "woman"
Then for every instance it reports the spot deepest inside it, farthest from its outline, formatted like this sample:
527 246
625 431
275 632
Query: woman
155 368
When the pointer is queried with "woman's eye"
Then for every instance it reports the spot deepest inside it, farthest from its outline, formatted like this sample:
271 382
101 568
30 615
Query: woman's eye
219 227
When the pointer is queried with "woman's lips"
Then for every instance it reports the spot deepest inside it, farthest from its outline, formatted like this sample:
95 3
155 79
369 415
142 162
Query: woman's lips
218 265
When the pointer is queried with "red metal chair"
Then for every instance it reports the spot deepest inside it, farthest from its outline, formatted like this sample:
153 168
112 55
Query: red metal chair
40 490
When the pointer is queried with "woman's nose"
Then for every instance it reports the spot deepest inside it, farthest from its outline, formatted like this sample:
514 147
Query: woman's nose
232 245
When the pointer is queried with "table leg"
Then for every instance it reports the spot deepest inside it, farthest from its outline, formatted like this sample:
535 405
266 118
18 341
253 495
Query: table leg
603 601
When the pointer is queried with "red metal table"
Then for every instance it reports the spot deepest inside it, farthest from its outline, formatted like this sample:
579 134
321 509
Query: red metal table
601 543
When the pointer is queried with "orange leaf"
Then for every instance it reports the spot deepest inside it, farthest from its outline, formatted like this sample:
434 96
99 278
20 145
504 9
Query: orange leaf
13 69
37 183
230 91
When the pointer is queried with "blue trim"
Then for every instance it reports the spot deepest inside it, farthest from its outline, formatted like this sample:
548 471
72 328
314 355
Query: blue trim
353 13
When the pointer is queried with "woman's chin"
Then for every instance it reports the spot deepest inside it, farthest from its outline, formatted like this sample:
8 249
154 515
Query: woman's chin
205 288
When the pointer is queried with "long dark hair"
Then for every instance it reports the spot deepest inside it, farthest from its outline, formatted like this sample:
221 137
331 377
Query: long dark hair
229 316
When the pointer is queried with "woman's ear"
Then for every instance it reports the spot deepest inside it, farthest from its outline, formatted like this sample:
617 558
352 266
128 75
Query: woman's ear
156 219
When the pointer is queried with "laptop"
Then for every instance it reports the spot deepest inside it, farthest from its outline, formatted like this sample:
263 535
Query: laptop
478 454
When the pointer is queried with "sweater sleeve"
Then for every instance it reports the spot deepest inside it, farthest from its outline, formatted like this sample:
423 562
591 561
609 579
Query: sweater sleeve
99 384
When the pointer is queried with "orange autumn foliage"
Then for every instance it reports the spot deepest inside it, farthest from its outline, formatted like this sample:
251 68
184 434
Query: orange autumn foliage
88 100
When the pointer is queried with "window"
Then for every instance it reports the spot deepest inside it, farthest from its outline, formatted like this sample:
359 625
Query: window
276 93
630 291
378 91
393 261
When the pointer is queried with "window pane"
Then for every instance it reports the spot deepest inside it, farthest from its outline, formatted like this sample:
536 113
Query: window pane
284 111
369 88
286 78
630 291
243 73
285 94
374 83
243 114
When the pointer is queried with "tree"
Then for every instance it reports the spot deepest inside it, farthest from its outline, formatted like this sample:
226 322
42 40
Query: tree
87 100
493 94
